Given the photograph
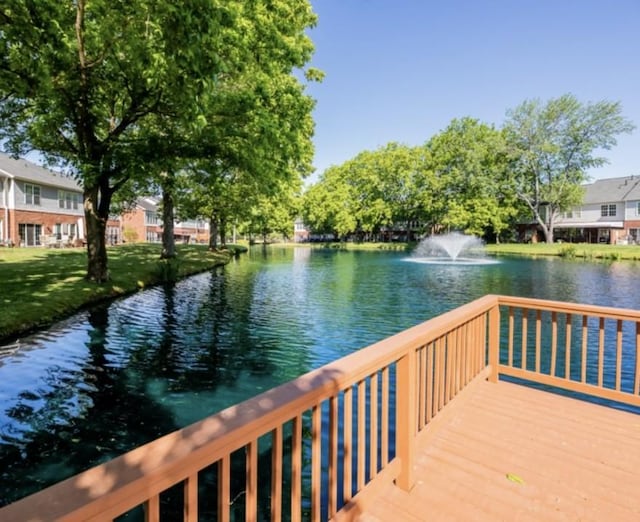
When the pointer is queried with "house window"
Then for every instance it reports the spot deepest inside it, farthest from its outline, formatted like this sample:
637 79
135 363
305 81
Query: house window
153 237
607 210
67 230
150 217
113 235
637 208
31 194
69 200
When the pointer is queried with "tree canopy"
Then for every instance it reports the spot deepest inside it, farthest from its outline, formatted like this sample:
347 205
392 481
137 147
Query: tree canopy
99 87
456 180
552 145
471 176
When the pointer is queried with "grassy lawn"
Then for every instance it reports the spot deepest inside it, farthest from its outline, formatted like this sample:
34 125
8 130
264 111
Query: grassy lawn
566 250
42 285
569 250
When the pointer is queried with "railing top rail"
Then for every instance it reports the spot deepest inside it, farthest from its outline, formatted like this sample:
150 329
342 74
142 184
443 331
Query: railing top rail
128 480
571 308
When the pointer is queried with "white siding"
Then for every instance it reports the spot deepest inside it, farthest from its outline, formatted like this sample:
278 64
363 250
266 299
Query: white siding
48 199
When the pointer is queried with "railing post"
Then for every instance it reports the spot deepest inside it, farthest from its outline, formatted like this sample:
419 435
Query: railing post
494 341
406 418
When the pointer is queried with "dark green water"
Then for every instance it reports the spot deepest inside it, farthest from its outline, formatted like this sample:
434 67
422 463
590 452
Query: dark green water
120 375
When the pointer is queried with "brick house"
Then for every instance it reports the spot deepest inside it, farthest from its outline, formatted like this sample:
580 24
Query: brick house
144 223
38 206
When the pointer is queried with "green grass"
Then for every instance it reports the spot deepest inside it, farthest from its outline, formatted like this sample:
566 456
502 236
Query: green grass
353 245
565 250
569 250
39 285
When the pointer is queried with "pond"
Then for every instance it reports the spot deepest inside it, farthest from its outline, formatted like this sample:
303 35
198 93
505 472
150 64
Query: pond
121 374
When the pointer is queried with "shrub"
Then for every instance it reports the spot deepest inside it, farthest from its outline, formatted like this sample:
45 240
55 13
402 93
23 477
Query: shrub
568 251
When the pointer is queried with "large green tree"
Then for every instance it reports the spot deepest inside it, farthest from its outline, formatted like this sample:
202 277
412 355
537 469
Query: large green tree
328 206
89 83
469 160
552 146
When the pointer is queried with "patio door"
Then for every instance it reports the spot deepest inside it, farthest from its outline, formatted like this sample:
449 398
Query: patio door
29 234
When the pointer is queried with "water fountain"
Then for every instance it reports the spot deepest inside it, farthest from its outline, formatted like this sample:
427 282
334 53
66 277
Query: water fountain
452 248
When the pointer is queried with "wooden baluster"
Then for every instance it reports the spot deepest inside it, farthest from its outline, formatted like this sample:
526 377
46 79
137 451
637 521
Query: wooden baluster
276 474
585 337
601 352
333 456
224 488
554 343
494 341
523 355
384 419
191 498
511 335
618 353
296 469
347 454
430 383
538 338
406 418
152 509
373 426
316 462
251 493
567 353
422 382
636 387
362 447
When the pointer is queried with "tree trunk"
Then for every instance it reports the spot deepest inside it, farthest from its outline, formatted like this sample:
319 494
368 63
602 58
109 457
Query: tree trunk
213 233
223 231
97 267
549 234
168 237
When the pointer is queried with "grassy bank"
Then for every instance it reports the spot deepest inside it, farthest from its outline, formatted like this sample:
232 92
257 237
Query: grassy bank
565 250
569 250
41 285
351 245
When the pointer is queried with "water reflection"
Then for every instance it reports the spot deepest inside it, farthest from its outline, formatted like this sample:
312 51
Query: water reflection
122 374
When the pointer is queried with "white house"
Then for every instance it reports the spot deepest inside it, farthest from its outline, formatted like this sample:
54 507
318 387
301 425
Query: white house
610 213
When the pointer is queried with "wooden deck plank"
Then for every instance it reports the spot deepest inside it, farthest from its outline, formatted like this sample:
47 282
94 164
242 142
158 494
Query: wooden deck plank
577 461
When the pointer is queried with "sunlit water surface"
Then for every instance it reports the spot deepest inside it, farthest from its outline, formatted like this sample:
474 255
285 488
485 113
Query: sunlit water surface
122 374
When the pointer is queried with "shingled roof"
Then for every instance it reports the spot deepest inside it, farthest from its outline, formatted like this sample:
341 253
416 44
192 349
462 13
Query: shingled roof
25 170
613 190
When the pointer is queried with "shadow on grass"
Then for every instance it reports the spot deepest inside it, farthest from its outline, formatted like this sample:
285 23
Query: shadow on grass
41 286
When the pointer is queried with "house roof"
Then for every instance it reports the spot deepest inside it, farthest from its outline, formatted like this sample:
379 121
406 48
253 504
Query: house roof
149 203
25 170
613 189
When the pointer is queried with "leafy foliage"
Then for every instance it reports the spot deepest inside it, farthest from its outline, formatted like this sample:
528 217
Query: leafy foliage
120 90
456 180
552 145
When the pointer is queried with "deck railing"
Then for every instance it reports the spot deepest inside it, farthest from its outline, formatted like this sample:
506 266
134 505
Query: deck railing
586 349
323 445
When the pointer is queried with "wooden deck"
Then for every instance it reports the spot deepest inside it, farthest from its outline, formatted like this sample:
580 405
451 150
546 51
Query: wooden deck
575 460
467 446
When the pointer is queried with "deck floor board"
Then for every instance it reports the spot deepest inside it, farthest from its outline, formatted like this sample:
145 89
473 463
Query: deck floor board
576 460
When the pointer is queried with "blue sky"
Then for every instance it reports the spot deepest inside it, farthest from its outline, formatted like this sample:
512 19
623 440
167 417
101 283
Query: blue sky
401 70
